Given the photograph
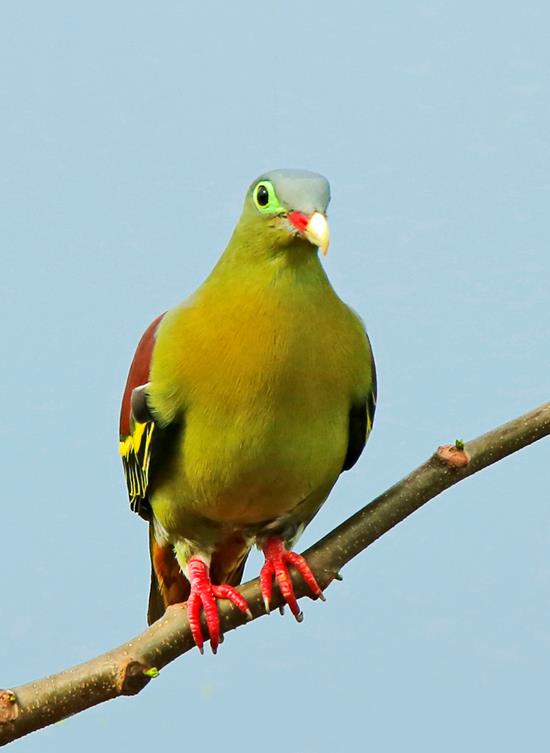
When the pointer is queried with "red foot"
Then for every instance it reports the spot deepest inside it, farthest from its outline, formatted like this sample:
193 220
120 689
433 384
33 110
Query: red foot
204 594
276 560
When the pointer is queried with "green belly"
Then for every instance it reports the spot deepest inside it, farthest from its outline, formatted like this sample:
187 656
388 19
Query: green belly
261 468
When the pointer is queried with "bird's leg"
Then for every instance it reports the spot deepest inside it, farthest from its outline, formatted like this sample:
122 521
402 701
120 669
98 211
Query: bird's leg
204 594
277 559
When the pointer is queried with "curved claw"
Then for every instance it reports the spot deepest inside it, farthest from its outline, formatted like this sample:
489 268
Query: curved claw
277 559
266 583
203 595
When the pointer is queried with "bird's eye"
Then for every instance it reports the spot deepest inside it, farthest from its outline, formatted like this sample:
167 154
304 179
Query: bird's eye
262 195
265 198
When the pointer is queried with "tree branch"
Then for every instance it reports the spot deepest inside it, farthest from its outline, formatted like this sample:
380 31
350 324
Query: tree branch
128 668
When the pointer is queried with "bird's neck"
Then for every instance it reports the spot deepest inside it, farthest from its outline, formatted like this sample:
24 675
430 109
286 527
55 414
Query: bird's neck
249 260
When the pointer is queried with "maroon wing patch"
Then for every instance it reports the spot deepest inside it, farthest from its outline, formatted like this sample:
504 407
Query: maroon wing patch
138 374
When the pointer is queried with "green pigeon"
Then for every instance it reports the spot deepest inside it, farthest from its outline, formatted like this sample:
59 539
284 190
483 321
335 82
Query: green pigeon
243 406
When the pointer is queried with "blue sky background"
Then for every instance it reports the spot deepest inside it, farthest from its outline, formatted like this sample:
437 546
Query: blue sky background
129 133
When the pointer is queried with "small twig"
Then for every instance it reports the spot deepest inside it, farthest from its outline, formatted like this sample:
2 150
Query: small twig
128 668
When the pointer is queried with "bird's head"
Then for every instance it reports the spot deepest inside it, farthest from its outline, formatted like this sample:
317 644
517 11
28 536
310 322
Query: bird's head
285 205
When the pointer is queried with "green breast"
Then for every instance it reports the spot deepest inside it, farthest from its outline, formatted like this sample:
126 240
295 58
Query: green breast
264 375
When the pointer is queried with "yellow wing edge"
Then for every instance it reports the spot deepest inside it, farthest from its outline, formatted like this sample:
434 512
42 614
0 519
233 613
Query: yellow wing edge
135 451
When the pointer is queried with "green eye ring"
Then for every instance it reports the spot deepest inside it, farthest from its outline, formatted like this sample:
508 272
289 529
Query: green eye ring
265 198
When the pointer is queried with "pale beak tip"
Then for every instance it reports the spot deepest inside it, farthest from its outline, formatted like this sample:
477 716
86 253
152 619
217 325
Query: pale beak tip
317 232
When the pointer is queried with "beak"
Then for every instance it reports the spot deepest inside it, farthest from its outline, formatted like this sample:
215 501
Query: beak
314 228
317 231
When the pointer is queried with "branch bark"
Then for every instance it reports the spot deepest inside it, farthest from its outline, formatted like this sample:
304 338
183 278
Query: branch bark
127 669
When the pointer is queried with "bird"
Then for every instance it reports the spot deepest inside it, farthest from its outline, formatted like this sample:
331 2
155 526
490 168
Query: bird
242 407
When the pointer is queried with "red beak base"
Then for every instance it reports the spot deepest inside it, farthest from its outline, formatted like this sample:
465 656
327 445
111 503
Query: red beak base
299 220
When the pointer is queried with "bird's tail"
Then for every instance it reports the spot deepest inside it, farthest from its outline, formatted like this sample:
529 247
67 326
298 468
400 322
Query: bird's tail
228 561
156 606
168 584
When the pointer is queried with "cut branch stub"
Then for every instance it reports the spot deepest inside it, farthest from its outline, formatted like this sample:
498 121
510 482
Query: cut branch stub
9 708
132 677
453 455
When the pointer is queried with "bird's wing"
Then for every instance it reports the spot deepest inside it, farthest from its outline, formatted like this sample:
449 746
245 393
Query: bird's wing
144 446
137 427
361 418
